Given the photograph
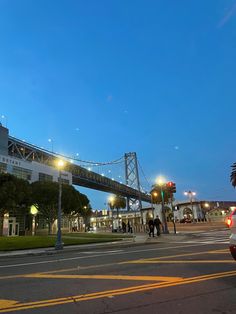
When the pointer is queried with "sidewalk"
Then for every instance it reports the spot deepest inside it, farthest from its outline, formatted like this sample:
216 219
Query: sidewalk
137 239
184 232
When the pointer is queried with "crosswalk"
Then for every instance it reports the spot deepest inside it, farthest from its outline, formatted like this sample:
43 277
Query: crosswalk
210 237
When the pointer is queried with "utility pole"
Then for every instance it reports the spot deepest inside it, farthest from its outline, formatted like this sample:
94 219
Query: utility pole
166 231
172 208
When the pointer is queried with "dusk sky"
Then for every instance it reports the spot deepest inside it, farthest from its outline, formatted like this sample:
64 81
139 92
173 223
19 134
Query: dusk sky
106 77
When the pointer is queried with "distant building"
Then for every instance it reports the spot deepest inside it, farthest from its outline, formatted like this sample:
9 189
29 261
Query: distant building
15 223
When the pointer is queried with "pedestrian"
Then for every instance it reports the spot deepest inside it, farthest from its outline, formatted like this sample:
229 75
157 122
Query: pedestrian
129 227
151 227
124 227
157 225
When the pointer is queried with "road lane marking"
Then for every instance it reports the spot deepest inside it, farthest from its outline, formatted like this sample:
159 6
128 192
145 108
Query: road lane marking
183 262
100 255
220 251
170 256
111 293
99 252
110 277
7 303
139 261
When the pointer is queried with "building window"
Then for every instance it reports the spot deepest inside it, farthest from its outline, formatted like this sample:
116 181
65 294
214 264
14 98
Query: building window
45 177
3 167
22 173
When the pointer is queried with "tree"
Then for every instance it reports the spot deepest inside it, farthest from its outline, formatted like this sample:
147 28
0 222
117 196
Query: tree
156 194
233 175
75 203
15 195
85 209
70 200
45 198
117 202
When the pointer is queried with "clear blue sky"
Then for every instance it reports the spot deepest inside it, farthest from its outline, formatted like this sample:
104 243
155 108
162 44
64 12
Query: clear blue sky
105 77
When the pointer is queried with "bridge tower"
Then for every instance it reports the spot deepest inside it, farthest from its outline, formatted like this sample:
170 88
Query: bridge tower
132 180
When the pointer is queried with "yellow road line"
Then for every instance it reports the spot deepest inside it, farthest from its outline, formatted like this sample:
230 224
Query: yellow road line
171 256
224 251
102 294
7 303
110 277
184 262
128 262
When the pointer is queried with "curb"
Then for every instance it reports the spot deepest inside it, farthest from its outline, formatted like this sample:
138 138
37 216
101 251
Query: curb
71 248
135 241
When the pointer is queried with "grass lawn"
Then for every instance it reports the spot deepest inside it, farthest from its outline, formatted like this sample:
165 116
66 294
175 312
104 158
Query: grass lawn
31 242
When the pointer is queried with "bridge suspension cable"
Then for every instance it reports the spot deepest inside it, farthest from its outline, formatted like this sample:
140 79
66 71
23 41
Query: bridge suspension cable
95 163
84 162
148 183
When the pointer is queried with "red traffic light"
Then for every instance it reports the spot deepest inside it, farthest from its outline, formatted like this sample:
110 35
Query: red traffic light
171 187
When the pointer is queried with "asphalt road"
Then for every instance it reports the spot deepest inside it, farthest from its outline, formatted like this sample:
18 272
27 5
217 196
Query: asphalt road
194 275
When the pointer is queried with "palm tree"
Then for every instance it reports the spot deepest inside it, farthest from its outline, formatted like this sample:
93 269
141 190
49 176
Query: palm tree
233 175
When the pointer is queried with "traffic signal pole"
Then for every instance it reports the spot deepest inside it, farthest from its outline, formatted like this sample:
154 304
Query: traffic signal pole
159 190
172 208
165 229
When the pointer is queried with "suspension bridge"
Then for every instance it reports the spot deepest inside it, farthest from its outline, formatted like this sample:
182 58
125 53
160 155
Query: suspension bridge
81 170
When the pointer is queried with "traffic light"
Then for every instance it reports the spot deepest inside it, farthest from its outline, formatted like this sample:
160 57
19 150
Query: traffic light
171 187
156 195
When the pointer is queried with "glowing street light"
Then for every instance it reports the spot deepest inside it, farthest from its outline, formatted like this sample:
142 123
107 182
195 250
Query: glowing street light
33 211
59 244
153 195
111 201
161 182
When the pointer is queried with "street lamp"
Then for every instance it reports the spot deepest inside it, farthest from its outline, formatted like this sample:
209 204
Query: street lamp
33 211
59 244
190 195
160 182
153 195
111 204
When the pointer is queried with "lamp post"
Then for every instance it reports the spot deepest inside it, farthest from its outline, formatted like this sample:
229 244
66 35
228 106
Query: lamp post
59 244
154 194
161 182
190 195
207 207
111 204
33 211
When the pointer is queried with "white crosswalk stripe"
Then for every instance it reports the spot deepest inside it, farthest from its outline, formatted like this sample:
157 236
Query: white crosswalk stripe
212 237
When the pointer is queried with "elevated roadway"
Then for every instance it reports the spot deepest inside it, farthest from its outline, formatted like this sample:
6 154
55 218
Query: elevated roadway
80 176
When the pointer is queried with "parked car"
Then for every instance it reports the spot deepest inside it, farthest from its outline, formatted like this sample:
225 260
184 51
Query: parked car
232 241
